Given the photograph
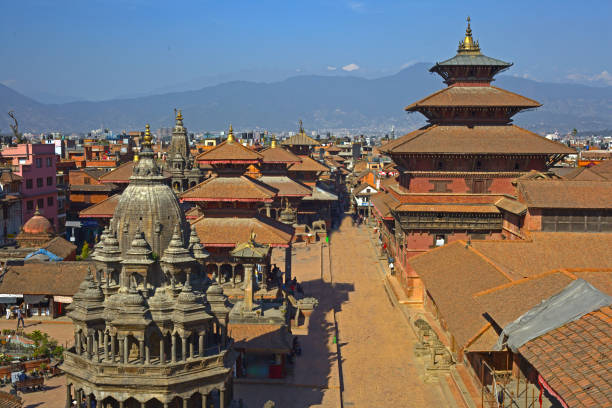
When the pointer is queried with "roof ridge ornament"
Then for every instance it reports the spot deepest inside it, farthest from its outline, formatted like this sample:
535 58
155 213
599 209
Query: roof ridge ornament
230 134
468 45
147 136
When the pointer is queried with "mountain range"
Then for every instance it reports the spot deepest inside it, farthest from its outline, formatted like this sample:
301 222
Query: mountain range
322 102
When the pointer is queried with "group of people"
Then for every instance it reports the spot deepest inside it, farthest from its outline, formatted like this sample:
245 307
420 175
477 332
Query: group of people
357 219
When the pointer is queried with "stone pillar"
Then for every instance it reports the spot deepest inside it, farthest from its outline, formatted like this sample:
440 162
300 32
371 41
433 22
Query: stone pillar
126 350
173 351
121 404
162 351
268 209
147 352
141 351
95 349
248 287
165 405
79 397
184 348
222 398
89 346
201 346
204 400
185 402
192 346
105 352
88 401
142 404
69 396
288 264
113 347
77 343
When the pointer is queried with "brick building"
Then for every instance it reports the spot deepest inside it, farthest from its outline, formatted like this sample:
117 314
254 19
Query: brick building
36 164
454 170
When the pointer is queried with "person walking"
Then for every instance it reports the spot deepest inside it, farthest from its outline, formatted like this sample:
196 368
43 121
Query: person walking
20 318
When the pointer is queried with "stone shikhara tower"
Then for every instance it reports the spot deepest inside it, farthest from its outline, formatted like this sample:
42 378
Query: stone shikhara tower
185 173
150 327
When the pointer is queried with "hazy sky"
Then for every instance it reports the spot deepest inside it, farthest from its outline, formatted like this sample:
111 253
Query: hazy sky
98 49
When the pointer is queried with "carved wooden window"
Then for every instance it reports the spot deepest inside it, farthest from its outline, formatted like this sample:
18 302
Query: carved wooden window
479 186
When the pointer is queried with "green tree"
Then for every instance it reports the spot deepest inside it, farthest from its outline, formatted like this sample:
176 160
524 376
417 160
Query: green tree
85 251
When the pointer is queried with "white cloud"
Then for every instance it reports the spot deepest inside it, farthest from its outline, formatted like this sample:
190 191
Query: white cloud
603 76
356 6
330 68
350 67
8 82
408 64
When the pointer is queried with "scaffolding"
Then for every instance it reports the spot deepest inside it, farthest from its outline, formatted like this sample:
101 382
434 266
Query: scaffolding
501 389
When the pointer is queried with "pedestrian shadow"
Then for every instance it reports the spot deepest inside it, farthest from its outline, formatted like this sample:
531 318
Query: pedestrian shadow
313 373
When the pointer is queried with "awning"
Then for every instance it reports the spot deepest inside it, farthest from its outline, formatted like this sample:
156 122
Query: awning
62 299
8 299
35 299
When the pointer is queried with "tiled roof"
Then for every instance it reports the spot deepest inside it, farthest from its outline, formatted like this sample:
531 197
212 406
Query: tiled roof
286 186
600 172
229 152
60 247
230 231
242 188
452 275
9 176
478 60
122 174
103 209
504 139
48 278
460 276
566 193
308 164
512 206
108 187
262 337
279 155
475 96
95 173
300 139
576 359
383 203
520 259
508 302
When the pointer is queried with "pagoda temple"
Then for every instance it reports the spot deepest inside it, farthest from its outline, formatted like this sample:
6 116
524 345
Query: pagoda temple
456 172
231 206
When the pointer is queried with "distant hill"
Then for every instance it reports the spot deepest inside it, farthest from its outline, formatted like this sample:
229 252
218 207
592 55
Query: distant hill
323 102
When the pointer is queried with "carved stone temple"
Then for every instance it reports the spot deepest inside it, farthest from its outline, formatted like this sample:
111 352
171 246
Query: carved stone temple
150 326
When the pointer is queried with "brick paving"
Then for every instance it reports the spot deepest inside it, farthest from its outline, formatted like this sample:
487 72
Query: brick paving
377 366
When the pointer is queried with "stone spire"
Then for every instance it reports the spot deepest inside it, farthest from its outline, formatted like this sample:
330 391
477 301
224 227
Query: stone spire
195 246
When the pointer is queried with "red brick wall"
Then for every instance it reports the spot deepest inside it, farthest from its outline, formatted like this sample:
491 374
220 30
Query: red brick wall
533 219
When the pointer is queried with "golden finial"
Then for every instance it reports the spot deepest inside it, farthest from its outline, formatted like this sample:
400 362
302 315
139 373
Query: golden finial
252 238
147 136
273 142
179 117
230 135
136 158
468 45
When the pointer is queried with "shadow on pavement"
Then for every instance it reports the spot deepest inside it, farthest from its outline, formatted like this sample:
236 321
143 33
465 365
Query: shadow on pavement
313 373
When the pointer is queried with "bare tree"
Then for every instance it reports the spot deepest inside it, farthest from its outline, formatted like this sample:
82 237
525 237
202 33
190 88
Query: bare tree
15 127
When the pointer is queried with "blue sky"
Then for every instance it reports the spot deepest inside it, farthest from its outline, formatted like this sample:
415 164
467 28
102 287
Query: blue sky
98 49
